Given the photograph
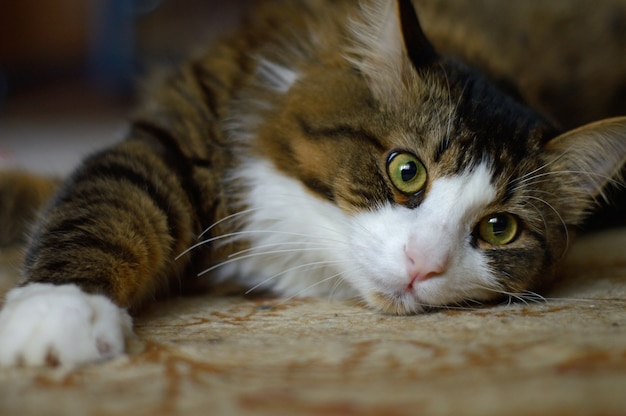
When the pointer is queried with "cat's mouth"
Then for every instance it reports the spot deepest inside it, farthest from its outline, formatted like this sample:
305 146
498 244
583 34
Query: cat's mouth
405 303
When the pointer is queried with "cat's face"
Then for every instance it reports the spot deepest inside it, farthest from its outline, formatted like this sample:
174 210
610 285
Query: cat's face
467 219
448 190
440 208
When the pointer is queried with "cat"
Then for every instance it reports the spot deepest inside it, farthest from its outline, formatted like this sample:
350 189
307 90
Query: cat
327 149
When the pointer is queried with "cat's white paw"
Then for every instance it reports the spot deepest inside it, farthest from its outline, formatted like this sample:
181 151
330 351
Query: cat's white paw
44 324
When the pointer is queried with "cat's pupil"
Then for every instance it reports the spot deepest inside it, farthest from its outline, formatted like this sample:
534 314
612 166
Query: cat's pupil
499 225
408 171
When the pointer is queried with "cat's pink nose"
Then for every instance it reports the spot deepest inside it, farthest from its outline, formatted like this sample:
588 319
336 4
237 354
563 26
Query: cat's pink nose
422 265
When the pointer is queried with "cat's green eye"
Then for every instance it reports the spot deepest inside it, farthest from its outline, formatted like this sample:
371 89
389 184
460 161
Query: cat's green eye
498 229
406 172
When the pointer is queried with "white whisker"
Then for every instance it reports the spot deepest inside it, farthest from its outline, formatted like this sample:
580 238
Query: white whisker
306 266
543 218
567 239
251 232
265 253
561 172
324 280
524 297
269 245
227 218
338 283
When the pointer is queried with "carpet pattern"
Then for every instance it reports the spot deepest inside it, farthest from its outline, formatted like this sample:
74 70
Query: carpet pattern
236 355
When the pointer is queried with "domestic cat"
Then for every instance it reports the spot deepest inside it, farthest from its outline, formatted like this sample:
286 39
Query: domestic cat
327 149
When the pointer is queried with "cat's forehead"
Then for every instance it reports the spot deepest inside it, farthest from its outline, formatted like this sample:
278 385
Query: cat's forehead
457 119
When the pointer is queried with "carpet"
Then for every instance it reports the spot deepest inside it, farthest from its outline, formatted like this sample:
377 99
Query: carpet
237 355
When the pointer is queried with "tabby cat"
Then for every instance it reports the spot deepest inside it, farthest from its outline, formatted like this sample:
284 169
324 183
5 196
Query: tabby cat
328 149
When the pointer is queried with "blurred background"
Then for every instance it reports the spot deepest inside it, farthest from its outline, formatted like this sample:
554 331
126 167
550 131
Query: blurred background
68 68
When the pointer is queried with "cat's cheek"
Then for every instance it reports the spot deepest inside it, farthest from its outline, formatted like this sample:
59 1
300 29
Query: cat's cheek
379 239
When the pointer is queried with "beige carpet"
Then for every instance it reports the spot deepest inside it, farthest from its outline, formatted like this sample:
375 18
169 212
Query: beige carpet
237 356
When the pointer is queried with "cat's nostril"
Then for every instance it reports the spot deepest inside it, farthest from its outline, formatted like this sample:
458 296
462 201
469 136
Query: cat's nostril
422 266
420 277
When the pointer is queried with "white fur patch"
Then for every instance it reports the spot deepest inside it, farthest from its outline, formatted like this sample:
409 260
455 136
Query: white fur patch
47 324
278 77
298 239
439 232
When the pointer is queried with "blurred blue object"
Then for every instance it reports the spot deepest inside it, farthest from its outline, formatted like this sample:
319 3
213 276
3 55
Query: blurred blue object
112 61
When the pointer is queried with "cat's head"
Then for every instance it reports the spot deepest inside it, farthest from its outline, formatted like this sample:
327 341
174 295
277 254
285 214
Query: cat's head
452 190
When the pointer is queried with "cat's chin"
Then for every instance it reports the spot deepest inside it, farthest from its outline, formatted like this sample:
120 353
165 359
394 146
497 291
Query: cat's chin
395 304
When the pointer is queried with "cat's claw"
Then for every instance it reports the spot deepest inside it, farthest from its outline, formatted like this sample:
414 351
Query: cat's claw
44 324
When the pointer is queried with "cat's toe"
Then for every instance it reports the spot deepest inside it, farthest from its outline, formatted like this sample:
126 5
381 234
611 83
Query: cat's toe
43 324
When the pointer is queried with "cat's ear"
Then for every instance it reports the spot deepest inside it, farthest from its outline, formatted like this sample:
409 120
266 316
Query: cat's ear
417 47
587 161
391 47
